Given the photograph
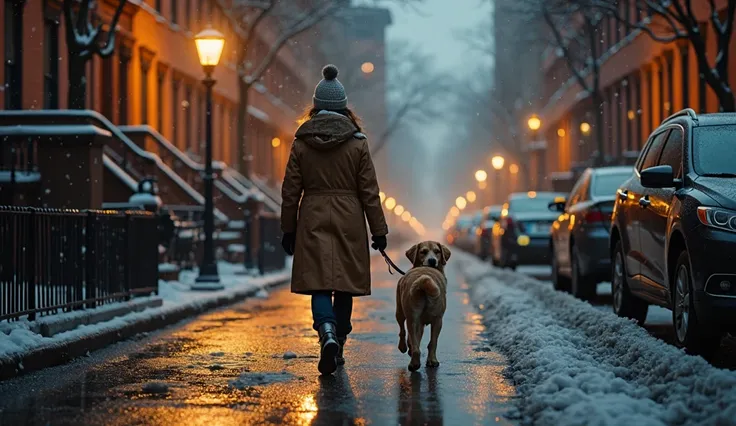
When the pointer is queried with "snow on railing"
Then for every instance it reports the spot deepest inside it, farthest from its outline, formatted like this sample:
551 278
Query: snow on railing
119 172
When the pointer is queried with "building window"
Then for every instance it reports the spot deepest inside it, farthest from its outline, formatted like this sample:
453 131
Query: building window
188 14
123 88
173 10
13 54
158 6
107 86
160 101
685 74
51 64
174 112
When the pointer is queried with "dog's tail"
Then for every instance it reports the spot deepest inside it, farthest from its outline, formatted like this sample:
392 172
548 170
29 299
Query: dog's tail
424 285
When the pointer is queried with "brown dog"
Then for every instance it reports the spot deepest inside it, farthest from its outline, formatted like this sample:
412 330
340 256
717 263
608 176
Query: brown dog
421 298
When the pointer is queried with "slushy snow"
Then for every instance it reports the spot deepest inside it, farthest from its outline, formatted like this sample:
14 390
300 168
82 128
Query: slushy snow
575 364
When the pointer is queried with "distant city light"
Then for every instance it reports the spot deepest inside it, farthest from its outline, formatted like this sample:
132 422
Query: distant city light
585 127
275 142
497 162
482 185
631 114
454 211
481 175
399 210
406 216
367 67
514 168
390 203
532 194
561 132
534 122
470 196
460 203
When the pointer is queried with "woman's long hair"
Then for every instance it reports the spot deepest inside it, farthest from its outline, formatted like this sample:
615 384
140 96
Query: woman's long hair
347 112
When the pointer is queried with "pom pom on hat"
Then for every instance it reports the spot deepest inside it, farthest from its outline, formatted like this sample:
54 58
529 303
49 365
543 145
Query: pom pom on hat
329 72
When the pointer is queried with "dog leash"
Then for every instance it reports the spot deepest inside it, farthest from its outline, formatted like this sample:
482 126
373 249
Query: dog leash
391 264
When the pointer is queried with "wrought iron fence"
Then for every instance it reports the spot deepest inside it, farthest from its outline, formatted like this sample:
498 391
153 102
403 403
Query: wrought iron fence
54 260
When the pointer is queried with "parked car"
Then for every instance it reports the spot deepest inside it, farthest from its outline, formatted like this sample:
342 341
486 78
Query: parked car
522 235
461 236
490 216
579 246
673 235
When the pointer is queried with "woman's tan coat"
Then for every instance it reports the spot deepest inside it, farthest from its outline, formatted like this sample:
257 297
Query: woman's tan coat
330 169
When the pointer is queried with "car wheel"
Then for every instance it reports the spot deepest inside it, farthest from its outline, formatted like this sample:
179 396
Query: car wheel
559 282
581 286
625 304
691 334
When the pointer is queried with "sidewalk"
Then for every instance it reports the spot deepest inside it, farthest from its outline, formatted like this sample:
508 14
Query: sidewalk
27 346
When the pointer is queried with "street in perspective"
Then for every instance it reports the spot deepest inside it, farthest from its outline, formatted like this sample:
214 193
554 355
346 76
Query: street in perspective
348 212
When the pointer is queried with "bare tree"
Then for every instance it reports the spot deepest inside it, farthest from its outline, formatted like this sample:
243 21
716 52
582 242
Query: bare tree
288 19
666 21
83 40
414 91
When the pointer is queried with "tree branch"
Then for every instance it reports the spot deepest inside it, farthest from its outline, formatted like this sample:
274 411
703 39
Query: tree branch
109 47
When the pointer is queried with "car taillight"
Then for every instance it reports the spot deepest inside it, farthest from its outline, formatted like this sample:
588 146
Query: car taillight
595 216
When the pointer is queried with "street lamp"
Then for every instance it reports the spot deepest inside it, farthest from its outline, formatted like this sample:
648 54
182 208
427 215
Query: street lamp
481 175
406 216
210 43
367 67
470 195
534 122
275 142
390 203
460 202
497 162
585 127
399 210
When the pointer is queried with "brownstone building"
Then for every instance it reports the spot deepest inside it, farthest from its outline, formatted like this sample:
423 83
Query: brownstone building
643 82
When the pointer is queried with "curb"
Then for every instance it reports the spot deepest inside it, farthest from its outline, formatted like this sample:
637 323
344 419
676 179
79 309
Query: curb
65 352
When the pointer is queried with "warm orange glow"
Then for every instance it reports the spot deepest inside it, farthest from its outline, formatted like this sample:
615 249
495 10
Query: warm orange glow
445 226
210 43
534 122
413 222
406 216
367 67
308 409
482 185
630 114
514 168
275 142
460 202
382 196
561 132
399 210
390 203
585 127
497 162
470 195
481 175
454 212
532 194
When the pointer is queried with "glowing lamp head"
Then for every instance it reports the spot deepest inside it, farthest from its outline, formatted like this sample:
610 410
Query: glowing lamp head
514 169
534 122
460 203
275 142
390 203
585 127
210 43
497 162
406 216
470 196
399 210
561 132
481 175
367 67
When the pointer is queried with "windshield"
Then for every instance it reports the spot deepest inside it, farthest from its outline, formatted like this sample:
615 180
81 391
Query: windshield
714 150
538 203
493 212
607 184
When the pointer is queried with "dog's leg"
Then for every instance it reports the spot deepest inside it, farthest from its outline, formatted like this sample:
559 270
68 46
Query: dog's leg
415 337
434 336
401 319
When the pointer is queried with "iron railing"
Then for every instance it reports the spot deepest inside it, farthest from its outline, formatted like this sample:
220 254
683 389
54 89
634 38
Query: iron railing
54 260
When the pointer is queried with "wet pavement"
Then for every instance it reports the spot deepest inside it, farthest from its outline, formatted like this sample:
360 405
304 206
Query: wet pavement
256 363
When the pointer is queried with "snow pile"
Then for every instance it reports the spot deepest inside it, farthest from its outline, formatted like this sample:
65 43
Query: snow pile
575 364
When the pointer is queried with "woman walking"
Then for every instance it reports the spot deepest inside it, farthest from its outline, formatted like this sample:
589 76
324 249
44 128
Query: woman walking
330 169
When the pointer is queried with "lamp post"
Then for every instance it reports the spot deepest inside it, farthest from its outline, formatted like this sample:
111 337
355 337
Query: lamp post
497 163
210 43
535 123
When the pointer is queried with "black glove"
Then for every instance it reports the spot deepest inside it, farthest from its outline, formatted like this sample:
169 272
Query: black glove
287 242
379 243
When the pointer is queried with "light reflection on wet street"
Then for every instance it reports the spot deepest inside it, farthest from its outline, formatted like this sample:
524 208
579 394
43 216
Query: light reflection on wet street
228 367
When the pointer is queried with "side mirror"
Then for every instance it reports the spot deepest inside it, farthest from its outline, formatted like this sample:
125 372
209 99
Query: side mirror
557 206
658 177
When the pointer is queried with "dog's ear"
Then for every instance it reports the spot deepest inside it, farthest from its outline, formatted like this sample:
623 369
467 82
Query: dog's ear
411 254
445 253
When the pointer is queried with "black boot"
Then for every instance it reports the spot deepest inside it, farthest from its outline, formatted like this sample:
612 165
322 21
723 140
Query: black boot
328 348
340 359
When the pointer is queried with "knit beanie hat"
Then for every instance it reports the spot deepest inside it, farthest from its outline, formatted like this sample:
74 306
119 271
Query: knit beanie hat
329 93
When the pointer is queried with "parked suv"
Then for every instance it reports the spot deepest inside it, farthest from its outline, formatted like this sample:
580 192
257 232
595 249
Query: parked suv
673 234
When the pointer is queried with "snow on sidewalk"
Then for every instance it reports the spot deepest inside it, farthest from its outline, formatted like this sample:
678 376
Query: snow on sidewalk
18 338
574 364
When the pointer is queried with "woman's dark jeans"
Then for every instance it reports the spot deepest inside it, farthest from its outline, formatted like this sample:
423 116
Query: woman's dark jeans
338 312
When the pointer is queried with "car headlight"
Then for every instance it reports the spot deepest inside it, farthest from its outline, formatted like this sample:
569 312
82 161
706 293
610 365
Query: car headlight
717 218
